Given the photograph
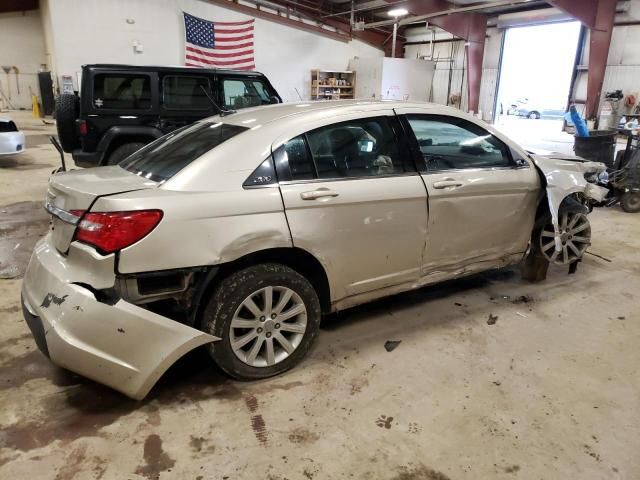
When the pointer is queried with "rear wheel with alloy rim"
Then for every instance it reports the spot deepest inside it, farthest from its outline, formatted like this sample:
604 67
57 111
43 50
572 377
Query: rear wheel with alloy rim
267 317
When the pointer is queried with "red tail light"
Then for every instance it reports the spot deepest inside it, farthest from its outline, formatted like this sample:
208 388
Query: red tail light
113 231
83 128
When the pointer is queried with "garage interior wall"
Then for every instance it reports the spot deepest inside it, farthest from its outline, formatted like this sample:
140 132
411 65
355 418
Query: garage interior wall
623 62
21 46
442 50
95 31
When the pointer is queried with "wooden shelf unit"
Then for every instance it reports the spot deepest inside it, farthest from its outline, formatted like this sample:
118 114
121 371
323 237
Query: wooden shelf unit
333 84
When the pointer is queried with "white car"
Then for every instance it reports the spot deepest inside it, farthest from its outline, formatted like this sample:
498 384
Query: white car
12 140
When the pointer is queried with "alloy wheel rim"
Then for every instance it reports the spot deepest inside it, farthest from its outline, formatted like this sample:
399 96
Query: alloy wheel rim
575 238
268 326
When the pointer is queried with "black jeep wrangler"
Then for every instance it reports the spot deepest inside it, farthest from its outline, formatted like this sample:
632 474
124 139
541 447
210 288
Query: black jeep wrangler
121 108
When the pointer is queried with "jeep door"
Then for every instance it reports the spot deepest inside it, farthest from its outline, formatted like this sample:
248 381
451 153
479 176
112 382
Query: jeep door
354 200
482 194
184 99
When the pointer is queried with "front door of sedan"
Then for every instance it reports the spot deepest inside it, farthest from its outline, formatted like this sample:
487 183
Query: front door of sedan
482 195
354 200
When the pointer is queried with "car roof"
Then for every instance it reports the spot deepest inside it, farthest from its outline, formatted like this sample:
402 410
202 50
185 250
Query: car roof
168 69
267 114
5 120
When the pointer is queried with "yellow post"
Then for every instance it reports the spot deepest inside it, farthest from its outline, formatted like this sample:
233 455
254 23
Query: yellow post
35 107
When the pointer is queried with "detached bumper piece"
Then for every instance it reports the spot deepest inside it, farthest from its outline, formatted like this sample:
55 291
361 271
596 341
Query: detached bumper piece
123 346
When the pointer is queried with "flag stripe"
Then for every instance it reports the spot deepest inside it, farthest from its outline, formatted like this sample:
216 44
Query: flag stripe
231 47
246 22
230 31
233 39
197 51
219 63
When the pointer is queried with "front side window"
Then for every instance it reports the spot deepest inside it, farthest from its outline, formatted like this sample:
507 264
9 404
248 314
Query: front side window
450 143
356 148
165 157
245 93
121 92
186 93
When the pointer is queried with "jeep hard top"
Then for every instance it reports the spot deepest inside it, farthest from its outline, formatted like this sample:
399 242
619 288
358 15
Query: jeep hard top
121 108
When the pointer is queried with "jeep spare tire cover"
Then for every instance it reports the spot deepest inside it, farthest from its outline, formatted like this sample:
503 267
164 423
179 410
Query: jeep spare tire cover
67 111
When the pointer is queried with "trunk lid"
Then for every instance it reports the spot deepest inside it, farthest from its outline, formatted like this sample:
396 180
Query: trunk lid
70 193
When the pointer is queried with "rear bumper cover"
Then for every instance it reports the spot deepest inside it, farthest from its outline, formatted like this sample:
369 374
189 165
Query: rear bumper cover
123 346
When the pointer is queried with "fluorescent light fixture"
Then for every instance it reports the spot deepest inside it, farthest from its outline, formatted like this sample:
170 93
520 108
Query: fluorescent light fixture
397 12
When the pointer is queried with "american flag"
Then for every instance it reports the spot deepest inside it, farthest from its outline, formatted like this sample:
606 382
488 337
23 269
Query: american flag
218 44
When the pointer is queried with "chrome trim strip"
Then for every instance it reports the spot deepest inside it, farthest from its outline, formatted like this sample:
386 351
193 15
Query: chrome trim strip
63 215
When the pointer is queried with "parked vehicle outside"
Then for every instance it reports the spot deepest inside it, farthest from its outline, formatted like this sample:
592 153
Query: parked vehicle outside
534 109
12 140
121 108
240 231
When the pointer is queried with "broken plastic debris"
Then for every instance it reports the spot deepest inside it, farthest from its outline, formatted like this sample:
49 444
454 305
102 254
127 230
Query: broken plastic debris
390 345
492 319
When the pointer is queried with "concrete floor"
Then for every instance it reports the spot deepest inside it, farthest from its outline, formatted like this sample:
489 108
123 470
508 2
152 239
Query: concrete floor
550 391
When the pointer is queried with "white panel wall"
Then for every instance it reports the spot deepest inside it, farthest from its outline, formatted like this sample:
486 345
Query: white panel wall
22 46
97 31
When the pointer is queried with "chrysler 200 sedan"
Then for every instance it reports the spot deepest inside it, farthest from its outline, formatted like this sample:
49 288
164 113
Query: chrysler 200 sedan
238 232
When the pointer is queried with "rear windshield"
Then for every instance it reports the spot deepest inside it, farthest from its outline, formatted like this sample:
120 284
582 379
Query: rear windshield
165 157
8 126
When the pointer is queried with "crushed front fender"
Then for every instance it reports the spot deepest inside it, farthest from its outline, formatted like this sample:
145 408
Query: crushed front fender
122 345
564 175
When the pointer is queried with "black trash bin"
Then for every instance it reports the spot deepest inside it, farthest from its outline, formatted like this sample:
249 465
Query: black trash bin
599 146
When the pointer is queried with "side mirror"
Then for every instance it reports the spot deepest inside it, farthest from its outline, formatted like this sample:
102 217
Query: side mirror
274 99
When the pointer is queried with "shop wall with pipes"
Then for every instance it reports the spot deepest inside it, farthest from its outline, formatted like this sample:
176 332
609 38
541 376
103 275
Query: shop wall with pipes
22 55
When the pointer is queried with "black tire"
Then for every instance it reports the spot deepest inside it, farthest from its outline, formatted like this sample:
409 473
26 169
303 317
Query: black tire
227 298
122 152
534 115
66 112
630 202
534 265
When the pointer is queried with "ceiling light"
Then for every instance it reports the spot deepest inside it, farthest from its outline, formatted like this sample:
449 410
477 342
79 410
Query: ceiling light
397 12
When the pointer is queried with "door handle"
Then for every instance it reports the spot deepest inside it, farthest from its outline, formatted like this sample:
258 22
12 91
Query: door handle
319 193
447 183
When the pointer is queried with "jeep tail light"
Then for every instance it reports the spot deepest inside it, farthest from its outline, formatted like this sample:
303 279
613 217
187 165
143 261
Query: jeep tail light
113 231
83 128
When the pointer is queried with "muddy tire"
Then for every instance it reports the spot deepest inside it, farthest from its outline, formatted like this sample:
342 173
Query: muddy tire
267 317
534 266
630 202
66 112
122 152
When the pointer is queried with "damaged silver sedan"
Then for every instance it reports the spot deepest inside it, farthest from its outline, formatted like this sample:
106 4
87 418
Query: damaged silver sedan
240 231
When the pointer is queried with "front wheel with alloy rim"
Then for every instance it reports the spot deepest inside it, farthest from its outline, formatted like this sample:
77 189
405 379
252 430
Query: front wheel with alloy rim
574 239
267 317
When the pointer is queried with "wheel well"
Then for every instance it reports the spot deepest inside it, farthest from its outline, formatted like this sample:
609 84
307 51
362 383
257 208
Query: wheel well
295 258
122 140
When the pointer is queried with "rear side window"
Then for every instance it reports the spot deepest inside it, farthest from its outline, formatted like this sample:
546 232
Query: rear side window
122 92
245 93
357 148
165 157
186 93
9 126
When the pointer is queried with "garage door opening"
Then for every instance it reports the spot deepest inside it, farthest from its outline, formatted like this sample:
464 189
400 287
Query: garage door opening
535 78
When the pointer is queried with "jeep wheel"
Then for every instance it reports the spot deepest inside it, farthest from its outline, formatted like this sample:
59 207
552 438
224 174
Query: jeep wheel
267 316
122 152
66 113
